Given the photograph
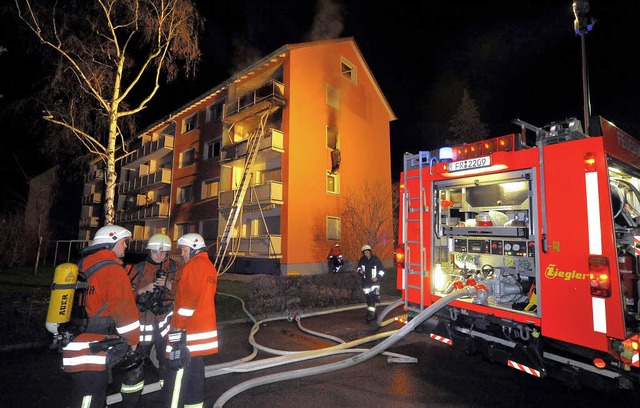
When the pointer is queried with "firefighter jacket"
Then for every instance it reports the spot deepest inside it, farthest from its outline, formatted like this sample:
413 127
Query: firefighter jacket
194 308
109 293
141 275
370 268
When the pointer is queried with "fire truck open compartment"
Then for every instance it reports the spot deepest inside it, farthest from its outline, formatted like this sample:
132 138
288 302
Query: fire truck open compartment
483 232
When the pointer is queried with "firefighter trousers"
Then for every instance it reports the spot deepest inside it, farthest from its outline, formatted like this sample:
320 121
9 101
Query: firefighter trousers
184 387
89 389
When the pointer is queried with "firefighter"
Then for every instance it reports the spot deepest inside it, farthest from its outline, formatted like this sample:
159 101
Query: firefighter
112 320
192 332
152 283
335 259
370 269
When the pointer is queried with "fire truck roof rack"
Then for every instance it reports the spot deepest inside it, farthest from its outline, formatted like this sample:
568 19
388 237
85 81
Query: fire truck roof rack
555 132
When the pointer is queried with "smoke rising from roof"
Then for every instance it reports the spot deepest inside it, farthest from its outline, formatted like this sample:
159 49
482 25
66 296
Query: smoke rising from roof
328 23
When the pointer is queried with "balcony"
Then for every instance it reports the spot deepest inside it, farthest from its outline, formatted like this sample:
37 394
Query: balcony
94 177
91 199
270 93
271 146
153 212
147 182
89 222
261 246
265 194
153 150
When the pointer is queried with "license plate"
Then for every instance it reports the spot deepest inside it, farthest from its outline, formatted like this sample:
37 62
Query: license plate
476 163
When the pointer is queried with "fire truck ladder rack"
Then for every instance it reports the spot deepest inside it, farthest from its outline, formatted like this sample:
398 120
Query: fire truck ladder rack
415 201
253 146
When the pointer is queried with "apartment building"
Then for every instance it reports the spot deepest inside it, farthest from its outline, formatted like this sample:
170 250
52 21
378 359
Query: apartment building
92 209
259 164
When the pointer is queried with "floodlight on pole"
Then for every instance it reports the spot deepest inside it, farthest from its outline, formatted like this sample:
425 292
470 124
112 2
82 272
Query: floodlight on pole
582 25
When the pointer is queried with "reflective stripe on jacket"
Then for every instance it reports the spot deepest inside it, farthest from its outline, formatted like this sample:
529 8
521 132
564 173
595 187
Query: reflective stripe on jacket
109 287
194 308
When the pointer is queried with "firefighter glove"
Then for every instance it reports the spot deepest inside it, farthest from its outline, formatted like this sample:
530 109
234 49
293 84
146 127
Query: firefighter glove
179 356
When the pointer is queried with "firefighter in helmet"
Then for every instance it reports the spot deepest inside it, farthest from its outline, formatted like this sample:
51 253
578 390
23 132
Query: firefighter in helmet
335 259
371 270
152 282
193 331
112 317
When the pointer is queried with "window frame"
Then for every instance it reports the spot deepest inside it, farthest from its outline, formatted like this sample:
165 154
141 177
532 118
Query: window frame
336 183
337 227
180 192
181 158
188 121
211 146
348 70
207 182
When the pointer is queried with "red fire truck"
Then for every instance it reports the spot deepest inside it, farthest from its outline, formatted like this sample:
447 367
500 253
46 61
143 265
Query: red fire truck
547 231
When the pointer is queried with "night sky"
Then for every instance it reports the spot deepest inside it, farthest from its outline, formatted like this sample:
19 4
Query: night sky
518 59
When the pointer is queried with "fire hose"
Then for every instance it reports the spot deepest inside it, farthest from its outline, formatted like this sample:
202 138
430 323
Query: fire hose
364 356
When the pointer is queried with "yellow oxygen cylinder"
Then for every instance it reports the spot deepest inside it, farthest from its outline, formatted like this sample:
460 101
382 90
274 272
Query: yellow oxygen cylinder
62 291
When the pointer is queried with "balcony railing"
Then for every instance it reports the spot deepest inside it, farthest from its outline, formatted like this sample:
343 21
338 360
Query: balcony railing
261 246
94 177
263 194
154 211
93 198
149 151
269 93
271 145
148 182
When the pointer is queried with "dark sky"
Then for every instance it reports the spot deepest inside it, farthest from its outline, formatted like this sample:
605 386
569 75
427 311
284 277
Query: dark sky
518 59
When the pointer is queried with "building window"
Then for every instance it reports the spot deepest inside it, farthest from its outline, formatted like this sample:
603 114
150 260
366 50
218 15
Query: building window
333 183
348 70
184 194
210 189
179 229
190 123
211 149
333 97
333 228
187 158
214 111
209 230
333 138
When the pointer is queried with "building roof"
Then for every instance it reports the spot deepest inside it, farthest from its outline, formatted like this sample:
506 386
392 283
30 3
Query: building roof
271 58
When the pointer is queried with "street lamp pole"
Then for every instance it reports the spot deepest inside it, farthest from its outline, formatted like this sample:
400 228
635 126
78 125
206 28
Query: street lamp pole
582 25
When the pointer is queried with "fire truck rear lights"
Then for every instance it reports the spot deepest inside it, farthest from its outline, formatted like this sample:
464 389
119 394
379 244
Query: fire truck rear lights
599 363
399 254
589 161
599 276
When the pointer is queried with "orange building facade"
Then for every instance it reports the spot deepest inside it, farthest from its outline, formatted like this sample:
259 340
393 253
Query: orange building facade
260 165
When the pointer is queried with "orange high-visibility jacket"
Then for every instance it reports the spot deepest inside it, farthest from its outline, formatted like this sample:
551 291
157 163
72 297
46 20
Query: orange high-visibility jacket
194 308
109 286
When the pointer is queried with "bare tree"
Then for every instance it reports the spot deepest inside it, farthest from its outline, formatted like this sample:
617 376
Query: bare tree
367 218
466 126
111 56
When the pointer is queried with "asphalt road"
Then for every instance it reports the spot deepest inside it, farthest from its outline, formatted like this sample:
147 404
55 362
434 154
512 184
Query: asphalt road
439 376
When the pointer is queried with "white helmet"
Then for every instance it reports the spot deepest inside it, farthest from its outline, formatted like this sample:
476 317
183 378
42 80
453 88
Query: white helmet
366 248
159 242
192 240
109 234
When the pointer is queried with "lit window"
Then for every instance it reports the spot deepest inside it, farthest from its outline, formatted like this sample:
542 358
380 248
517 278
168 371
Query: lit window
333 97
180 229
184 194
210 188
187 158
211 149
190 123
333 228
348 70
333 183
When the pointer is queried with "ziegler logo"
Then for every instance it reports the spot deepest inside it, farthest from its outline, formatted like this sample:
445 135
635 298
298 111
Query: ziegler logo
551 273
